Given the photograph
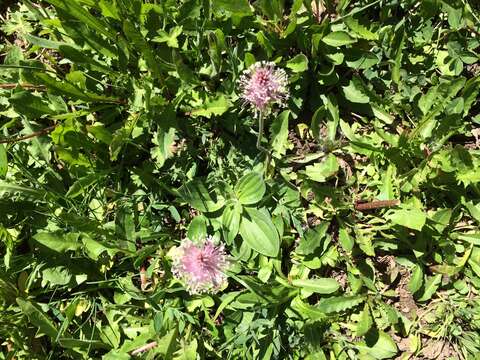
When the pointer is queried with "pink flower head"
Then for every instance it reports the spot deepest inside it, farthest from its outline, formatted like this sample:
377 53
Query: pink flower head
201 267
263 85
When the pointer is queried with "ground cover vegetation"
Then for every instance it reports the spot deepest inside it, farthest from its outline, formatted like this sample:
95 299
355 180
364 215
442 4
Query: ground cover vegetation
217 179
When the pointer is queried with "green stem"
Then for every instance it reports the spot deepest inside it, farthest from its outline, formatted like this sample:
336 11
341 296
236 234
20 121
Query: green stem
26 67
261 125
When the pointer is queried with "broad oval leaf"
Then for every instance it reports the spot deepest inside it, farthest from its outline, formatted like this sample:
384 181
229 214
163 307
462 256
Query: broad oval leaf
250 189
318 285
56 242
259 233
197 195
338 38
231 221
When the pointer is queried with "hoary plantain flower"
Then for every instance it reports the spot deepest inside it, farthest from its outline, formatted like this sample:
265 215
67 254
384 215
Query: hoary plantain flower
201 267
263 85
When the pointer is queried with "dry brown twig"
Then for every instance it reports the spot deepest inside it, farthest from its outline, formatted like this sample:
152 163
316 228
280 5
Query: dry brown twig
29 136
9 86
376 204
144 348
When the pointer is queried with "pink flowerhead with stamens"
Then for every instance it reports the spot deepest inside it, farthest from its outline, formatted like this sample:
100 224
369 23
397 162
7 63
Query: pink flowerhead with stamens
201 267
262 85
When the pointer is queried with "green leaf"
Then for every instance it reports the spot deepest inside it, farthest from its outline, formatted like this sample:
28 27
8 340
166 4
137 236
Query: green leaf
379 345
170 38
440 97
122 135
338 38
197 229
231 221
3 161
30 105
39 144
474 210
318 285
196 194
109 9
470 94
44 43
24 191
100 133
412 218
359 29
431 286
58 275
416 281
250 189
470 238
38 318
364 323
345 239
339 303
382 114
212 107
359 59
238 7
307 311
70 343
321 171
74 9
187 351
273 9
56 242
312 239
279 133
298 64
386 191
164 139
65 88
80 186
136 38
84 58
259 232
166 344
94 248
355 92
398 45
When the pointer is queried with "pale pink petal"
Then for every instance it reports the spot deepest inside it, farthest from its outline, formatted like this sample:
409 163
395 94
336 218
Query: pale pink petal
201 266
263 85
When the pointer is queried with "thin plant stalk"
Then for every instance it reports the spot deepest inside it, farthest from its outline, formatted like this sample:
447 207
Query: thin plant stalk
261 125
